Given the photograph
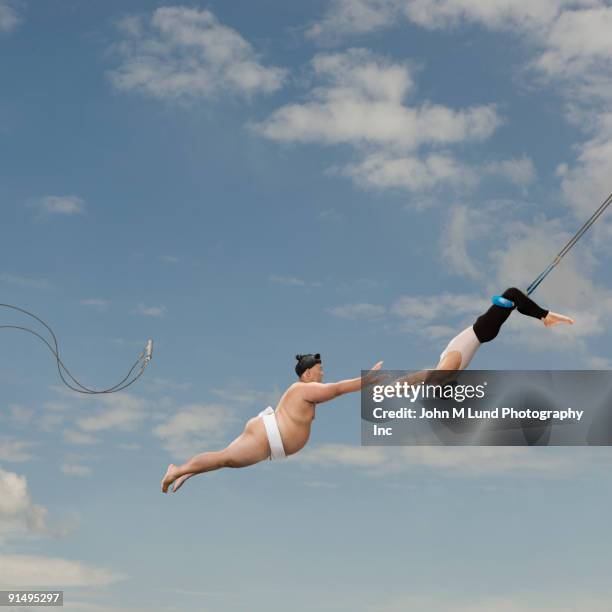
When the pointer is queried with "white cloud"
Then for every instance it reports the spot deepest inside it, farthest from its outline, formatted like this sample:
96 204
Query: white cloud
18 414
79 437
95 303
354 17
382 171
30 570
595 362
181 53
10 17
570 48
19 516
130 446
193 428
161 384
149 311
123 412
577 43
72 468
358 311
293 281
418 174
494 14
169 259
587 183
533 601
521 171
50 421
359 100
458 462
60 205
345 17
14 450
23 281
244 395
84 606
425 309
463 225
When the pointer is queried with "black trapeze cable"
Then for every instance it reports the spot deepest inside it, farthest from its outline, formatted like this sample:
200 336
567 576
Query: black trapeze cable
144 357
575 238
505 303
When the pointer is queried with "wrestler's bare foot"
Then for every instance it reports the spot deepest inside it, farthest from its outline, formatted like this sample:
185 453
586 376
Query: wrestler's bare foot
168 478
178 483
552 318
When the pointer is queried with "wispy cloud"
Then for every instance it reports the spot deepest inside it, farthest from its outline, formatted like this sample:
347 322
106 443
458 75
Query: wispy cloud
412 173
457 462
72 466
169 259
349 17
425 309
40 571
243 395
293 281
149 311
98 303
353 17
558 600
463 226
23 281
181 54
162 384
193 428
10 17
520 171
358 311
121 412
14 450
79 437
59 205
18 414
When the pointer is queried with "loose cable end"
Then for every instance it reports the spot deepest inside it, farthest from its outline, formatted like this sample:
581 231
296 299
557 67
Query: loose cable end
148 351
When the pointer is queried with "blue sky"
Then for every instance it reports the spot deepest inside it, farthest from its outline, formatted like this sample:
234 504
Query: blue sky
246 181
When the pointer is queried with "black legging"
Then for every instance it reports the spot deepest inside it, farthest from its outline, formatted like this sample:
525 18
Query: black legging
487 326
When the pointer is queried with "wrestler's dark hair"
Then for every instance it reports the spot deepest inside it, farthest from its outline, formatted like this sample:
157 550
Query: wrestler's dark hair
305 362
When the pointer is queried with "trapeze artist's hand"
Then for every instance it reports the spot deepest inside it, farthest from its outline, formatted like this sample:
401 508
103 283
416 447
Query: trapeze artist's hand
373 379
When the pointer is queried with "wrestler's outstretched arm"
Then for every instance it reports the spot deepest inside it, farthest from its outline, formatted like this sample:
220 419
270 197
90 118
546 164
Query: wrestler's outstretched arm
317 393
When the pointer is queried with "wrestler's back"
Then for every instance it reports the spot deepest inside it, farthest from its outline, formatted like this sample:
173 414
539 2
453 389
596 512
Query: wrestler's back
294 416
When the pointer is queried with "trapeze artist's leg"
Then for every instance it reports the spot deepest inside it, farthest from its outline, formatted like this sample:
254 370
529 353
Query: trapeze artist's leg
487 326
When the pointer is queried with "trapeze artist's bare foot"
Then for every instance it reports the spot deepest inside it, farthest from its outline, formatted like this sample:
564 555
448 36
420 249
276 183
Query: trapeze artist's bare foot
168 478
178 483
552 318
